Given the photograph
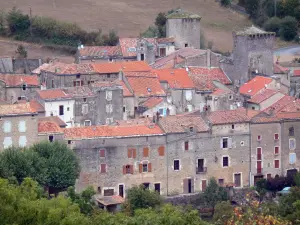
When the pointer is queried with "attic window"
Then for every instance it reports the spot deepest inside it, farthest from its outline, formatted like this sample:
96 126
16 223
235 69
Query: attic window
191 129
24 87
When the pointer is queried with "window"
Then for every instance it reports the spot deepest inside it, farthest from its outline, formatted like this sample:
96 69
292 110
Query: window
232 126
276 150
85 109
291 131
226 142
109 108
157 187
102 168
276 136
292 158
142 57
162 52
276 163
259 153
269 176
259 137
176 165
84 99
102 153
7 142
61 110
69 142
124 109
22 141
186 145
221 182
146 185
77 83
145 152
51 138
131 153
52 83
145 167
225 161
237 179
87 123
121 190
7 127
292 143
108 95
161 151
68 109
230 97
24 87
191 129
108 76
128 169
186 45
77 76
22 126
108 192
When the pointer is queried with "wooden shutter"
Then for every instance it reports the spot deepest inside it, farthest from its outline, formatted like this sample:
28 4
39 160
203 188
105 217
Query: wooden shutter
186 145
185 186
149 167
129 153
103 168
134 153
229 142
276 150
221 143
124 169
161 151
74 83
276 163
82 82
203 185
276 136
146 152
141 167
102 153
131 169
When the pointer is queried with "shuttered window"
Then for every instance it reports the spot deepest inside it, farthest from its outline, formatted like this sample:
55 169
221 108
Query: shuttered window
276 136
131 153
103 168
128 169
161 151
102 153
186 145
276 163
276 150
146 152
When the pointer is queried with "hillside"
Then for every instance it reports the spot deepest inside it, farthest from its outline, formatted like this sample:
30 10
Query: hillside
130 17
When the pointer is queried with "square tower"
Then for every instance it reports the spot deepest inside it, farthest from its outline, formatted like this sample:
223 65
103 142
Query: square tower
185 28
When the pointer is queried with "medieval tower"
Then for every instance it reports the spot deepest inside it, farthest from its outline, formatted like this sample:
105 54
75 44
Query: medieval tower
185 28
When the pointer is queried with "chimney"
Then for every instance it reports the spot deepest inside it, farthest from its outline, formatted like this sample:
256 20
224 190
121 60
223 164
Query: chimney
208 57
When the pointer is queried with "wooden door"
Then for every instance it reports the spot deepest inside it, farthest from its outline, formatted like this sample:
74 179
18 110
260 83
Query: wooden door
237 179
203 185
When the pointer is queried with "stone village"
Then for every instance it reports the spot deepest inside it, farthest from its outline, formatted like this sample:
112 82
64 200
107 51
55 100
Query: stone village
161 111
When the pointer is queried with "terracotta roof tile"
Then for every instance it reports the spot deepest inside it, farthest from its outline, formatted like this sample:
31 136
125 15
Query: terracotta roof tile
81 91
262 96
278 69
289 115
116 67
15 80
54 119
182 123
279 105
36 106
292 106
145 86
49 127
129 45
140 74
152 102
240 115
255 85
112 131
17 109
296 73
126 91
53 94
221 92
100 51
203 77
165 40
265 119
176 78
60 68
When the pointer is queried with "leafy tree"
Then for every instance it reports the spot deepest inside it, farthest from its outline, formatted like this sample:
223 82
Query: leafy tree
288 28
17 21
160 23
252 7
61 163
297 179
214 194
290 6
21 51
151 32
273 25
297 13
140 197
112 38
261 188
286 202
223 212
84 199
225 3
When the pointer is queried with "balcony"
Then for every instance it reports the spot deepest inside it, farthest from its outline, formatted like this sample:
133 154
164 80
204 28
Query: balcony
200 170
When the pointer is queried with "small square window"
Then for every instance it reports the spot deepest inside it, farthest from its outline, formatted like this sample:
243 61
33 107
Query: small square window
225 161
102 153
127 169
176 164
68 108
221 182
276 163
191 129
276 150
292 143
145 167
84 99
276 136
87 123
69 142
51 138
224 142
259 137
291 131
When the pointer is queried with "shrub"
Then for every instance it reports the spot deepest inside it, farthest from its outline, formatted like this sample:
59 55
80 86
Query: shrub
288 28
273 25
17 21
21 51
225 3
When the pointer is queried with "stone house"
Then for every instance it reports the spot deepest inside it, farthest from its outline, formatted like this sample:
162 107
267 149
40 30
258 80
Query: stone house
51 128
283 76
9 65
184 27
115 158
223 99
57 103
14 87
19 125
153 105
179 88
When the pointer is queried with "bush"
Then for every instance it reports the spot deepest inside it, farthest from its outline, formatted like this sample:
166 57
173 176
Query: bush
277 184
225 3
288 28
223 212
21 51
273 25
17 21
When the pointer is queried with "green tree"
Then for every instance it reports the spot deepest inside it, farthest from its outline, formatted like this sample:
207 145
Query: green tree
61 163
139 197
223 212
17 21
111 39
84 199
252 7
273 25
151 32
288 28
290 6
225 3
214 194
21 51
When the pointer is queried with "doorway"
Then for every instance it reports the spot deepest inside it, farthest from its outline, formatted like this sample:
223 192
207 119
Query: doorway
121 190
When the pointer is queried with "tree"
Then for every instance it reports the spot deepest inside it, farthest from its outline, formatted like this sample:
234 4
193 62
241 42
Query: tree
252 7
225 3
140 197
151 32
61 163
290 6
17 21
21 51
223 212
160 22
112 38
288 28
273 25
214 194
286 202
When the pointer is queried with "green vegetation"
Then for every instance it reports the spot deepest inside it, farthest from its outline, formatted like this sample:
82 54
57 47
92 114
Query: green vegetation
50 31
21 51
225 3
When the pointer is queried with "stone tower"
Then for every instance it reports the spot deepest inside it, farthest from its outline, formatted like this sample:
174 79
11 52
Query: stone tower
252 54
185 28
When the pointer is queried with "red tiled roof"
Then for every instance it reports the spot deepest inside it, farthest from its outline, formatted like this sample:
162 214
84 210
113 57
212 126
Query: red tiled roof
60 68
289 115
17 109
54 119
145 86
36 106
279 105
203 77
165 40
262 96
53 94
47 127
182 123
176 78
255 85
279 69
151 102
296 73
140 74
40 68
80 91
129 45
220 92
116 67
126 91
293 106
111 131
106 83
100 51
15 80
240 115
265 119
